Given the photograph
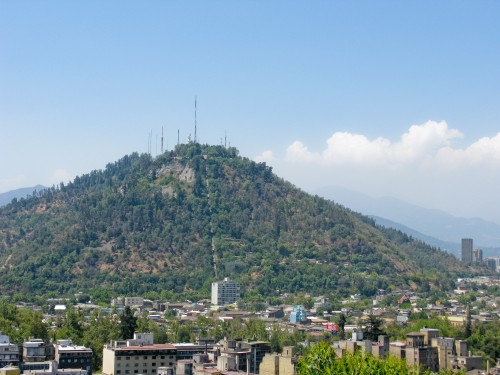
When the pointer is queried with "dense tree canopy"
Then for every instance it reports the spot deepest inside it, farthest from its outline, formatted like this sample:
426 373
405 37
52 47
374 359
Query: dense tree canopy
173 224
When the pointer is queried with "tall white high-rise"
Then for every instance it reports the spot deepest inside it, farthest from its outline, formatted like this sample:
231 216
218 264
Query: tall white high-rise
225 292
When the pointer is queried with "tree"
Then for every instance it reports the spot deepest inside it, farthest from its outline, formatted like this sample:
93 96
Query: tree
319 360
128 324
342 321
373 328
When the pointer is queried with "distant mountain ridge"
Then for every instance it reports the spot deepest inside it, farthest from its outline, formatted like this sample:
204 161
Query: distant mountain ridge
435 227
177 222
6 198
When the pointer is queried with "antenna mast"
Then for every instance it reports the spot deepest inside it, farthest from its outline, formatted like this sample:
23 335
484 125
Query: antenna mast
195 119
177 137
162 139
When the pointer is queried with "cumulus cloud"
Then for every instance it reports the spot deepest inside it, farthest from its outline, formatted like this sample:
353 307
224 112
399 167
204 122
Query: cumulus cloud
419 143
298 152
58 176
424 166
265 157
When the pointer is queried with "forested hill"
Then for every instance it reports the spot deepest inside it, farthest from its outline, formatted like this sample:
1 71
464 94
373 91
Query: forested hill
176 223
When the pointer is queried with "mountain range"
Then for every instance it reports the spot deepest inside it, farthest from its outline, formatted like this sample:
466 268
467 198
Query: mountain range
435 227
175 223
7 197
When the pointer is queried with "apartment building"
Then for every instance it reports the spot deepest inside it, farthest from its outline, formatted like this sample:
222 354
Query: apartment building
9 353
225 292
137 356
70 356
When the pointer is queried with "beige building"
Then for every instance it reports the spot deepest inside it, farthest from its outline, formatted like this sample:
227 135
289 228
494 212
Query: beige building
279 364
137 356
8 370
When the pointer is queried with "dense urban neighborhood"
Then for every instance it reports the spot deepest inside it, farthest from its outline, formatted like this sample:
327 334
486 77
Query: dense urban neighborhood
233 335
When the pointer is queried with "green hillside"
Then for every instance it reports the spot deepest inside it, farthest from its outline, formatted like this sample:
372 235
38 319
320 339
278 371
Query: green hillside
190 216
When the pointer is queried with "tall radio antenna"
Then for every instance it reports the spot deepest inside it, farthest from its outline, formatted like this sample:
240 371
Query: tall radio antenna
162 139
195 119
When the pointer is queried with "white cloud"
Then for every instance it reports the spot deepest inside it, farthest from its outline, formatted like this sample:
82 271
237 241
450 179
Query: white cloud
298 152
265 157
423 166
419 143
59 175
484 152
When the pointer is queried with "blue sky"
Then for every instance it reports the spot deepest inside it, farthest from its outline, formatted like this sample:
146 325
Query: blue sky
326 92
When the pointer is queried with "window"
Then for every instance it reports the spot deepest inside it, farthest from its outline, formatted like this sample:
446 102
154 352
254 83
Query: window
118 371
145 357
162 357
136 365
154 357
153 364
136 371
162 363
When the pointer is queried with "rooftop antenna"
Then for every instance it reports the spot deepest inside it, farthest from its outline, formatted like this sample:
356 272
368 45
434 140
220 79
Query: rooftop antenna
149 142
162 139
177 137
195 119
225 138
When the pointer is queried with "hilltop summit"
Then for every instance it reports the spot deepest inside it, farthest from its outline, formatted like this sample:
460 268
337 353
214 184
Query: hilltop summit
181 220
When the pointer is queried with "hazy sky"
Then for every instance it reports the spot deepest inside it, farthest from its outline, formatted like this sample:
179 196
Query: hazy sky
384 97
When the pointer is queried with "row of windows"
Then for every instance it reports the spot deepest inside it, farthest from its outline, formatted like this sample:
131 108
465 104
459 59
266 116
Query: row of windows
135 371
81 360
144 364
144 357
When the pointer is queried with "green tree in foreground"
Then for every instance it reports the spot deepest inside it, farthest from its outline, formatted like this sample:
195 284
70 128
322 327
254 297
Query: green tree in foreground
321 360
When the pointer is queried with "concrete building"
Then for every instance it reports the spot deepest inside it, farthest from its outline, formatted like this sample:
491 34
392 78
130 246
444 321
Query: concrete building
225 292
446 352
419 354
9 353
467 246
491 263
34 350
134 301
10 370
241 355
137 356
70 356
477 255
279 364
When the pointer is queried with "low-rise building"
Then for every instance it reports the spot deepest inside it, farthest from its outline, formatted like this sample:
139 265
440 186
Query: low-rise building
279 364
34 350
137 356
9 353
70 356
